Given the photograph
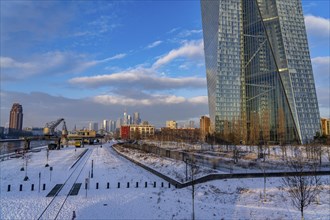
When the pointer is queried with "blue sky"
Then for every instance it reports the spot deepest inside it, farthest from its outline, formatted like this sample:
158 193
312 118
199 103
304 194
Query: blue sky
91 60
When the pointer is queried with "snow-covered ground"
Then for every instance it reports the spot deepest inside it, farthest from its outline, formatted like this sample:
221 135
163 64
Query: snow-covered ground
220 199
176 169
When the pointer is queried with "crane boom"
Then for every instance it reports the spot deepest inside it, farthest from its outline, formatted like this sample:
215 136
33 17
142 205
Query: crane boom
50 126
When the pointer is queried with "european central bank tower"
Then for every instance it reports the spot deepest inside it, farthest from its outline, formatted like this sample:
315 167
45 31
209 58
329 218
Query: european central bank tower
259 73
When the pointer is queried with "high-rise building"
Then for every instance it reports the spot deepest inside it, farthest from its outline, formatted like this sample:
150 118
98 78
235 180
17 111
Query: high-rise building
258 68
171 124
191 124
16 117
136 118
112 125
105 125
93 126
119 123
125 118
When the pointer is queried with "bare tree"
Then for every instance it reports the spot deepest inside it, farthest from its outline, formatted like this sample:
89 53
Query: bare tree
302 189
254 128
265 126
194 170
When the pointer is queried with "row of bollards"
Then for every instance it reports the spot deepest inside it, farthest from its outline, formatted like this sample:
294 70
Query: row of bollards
21 187
128 185
97 186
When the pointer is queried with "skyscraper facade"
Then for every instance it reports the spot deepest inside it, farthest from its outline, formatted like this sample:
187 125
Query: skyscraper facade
258 69
16 117
136 118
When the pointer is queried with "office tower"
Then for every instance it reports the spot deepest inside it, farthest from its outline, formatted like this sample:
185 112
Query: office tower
93 126
125 118
258 69
112 125
171 124
119 123
136 118
191 124
129 119
16 117
105 125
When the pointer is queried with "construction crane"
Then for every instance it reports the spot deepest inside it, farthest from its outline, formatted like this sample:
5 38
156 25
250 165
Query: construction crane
49 129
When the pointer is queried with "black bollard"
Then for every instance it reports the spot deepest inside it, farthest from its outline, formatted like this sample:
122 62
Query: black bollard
32 187
20 187
85 185
162 184
137 185
118 185
145 184
8 190
44 186
108 185
154 184
169 185
127 184
97 185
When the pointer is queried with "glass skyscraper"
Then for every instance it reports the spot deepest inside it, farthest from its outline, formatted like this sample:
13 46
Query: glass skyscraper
259 73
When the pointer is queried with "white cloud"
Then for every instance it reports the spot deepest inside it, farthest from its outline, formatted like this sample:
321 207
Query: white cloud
149 101
191 49
187 33
139 78
54 62
317 26
199 100
154 44
321 69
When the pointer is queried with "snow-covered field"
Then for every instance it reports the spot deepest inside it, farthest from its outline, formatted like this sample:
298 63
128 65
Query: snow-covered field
175 169
221 199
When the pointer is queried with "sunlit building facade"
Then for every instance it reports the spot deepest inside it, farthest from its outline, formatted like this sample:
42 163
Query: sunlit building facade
16 117
259 71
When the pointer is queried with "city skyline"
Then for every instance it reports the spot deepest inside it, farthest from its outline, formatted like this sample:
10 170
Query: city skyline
89 60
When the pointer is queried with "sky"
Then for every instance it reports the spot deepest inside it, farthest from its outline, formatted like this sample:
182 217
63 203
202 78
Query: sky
92 60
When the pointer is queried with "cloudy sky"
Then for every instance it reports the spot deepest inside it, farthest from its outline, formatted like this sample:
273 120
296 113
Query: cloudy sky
90 60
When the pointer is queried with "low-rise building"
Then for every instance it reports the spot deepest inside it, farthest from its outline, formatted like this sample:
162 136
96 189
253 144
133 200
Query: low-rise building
171 124
180 134
204 126
143 131
125 132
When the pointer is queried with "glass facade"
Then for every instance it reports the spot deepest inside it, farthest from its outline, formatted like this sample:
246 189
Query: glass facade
258 69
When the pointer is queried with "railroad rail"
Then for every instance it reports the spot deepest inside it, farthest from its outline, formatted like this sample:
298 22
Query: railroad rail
54 207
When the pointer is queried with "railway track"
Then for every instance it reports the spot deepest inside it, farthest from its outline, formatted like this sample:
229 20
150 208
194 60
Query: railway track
54 207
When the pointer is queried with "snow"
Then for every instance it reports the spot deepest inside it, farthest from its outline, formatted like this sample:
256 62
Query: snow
227 199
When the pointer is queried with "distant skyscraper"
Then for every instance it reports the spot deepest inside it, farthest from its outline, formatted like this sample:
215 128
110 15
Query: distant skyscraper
93 126
16 117
136 118
118 123
112 125
129 119
191 124
105 125
125 119
258 68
